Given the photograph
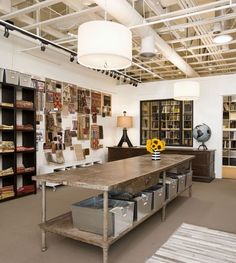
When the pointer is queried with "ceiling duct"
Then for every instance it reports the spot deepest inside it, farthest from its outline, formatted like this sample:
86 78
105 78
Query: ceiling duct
124 13
148 47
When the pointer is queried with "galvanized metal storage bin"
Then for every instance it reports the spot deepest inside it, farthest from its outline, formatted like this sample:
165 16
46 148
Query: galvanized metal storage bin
142 202
143 205
88 215
158 196
1 74
189 179
181 182
25 80
171 187
11 76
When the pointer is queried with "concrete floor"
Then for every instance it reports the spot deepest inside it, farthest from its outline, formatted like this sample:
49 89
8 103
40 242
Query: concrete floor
212 205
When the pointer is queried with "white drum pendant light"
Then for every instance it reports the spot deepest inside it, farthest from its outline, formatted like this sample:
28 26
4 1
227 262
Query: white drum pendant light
186 90
104 45
148 47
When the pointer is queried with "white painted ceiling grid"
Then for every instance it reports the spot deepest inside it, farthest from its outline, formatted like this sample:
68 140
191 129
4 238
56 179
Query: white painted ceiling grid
183 31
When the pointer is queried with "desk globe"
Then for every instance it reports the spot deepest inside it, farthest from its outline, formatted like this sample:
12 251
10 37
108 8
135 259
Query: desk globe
202 133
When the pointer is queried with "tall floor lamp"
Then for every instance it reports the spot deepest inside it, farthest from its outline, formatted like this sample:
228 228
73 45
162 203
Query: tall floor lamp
125 122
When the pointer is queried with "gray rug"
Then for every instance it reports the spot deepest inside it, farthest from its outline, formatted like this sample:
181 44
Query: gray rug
194 244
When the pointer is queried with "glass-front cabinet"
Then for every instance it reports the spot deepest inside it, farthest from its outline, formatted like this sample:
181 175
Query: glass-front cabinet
169 120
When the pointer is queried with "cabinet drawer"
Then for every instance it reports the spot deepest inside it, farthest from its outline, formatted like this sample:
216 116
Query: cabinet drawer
137 185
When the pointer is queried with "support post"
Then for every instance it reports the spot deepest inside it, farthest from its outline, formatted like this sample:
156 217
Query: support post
163 214
43 220
190 187
105 227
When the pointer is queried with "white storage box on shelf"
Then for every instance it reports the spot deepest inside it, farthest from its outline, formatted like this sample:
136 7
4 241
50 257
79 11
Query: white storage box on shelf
12 77
25 80
1 74
54 167
158 196
88 215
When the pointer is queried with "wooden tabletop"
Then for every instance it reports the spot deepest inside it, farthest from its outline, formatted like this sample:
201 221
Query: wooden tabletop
109 175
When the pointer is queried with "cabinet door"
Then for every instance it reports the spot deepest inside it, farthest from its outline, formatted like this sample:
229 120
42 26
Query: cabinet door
170 128
187 123
145 115
168 120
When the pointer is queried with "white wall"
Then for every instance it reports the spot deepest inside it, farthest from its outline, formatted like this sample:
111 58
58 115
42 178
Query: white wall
54 65
208 109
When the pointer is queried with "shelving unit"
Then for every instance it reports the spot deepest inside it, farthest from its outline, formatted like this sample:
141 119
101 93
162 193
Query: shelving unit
229 136
21 161
169 120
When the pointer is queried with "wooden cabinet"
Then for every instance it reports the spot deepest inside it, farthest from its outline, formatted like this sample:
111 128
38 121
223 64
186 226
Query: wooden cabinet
17 141
169 120
202 165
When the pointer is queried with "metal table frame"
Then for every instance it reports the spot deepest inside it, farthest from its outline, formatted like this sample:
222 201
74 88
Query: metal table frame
106 241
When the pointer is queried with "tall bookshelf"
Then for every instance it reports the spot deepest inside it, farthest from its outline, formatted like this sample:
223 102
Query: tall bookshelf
169 120
229 136
17 141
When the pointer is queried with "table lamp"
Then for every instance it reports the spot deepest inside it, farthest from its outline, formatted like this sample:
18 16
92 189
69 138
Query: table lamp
125 122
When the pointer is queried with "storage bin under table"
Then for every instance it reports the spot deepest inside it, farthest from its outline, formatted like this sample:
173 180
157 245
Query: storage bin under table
181 182
171 188
142 202
88 215
158 196
189 179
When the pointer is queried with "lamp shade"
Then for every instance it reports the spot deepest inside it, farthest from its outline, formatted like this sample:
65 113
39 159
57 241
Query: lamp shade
125 121
104 45
222 39
186 90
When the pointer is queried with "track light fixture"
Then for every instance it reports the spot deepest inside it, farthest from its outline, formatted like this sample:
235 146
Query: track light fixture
72 58
43 47
6 32
119 75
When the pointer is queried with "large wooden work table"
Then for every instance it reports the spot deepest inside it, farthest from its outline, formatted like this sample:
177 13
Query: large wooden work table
130 175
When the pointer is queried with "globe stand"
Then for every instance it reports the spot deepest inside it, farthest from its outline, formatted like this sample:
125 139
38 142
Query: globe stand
203 145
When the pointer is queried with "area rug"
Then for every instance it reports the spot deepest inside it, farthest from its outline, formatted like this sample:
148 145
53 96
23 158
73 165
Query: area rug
195 244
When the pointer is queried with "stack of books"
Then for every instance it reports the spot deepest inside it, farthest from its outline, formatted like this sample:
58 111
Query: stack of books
6 192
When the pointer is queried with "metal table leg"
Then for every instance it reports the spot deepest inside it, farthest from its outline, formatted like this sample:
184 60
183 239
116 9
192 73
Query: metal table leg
43 232
105 227
163 212
190 191
190 187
